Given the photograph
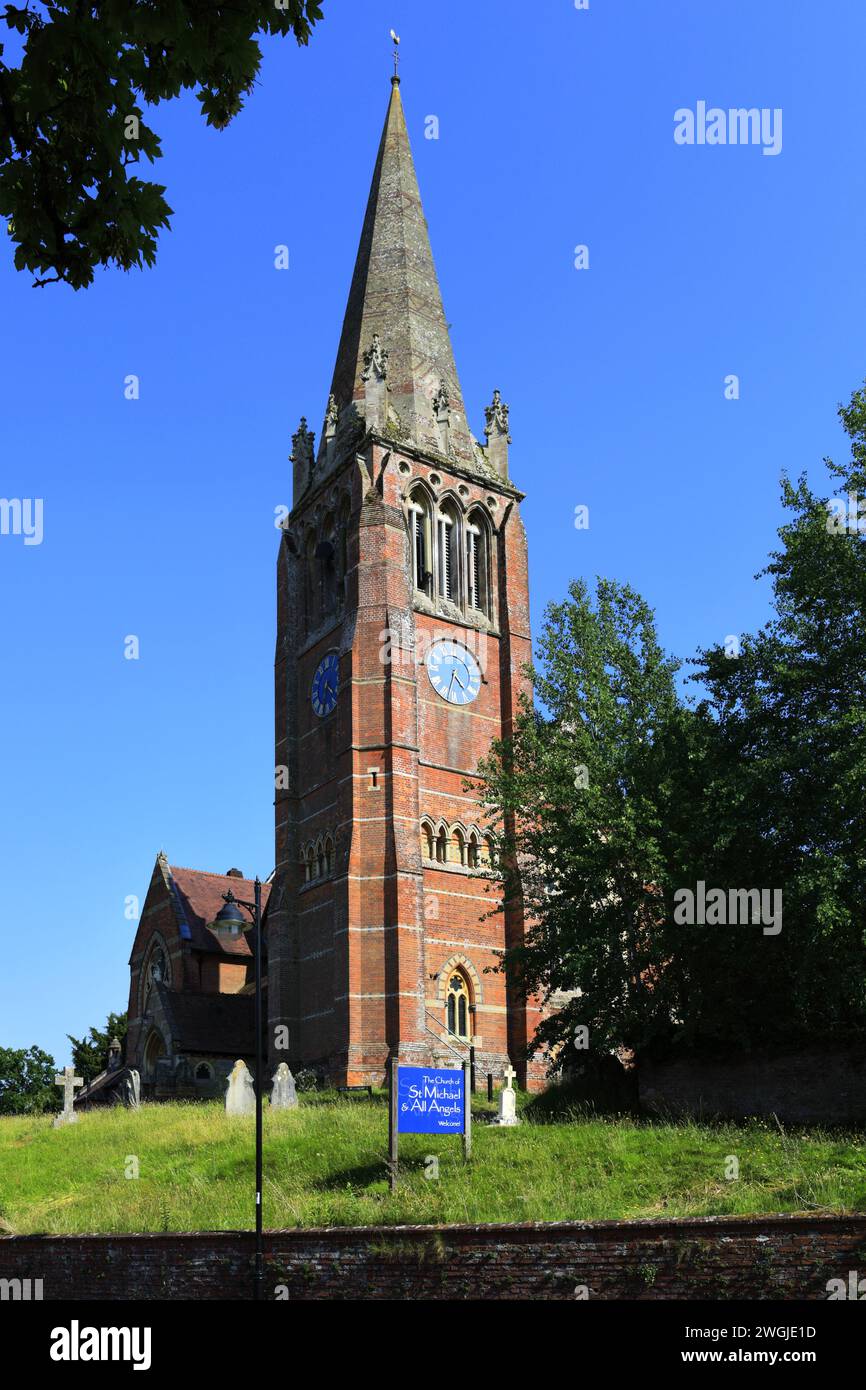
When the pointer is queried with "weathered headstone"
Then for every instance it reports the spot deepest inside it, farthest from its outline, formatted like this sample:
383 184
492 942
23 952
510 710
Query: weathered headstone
132 1089
241 1094
283 1095
508 1100
69 1081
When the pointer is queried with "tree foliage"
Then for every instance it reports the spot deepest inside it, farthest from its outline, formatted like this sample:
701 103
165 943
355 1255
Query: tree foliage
786 795
621 794
72 124
581 798
27 1081
90 1054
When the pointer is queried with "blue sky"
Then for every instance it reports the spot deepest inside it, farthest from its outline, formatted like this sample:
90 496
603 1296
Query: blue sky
555 129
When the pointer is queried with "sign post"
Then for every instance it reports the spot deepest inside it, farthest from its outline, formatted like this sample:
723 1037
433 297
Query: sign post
468 1088
393 1128
427 1100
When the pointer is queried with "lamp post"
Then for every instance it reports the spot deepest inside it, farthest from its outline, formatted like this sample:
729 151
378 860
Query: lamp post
229 913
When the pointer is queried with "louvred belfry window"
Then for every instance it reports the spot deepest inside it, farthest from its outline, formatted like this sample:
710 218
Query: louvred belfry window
420 550
472 567
448 582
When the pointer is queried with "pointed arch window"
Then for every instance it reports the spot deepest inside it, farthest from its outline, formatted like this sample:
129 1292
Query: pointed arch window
457 1005
311 582
448 554
478 564
427 838
472 851
420 537
343 546
442 846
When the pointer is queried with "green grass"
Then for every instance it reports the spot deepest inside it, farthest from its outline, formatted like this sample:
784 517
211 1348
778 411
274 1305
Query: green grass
324 1165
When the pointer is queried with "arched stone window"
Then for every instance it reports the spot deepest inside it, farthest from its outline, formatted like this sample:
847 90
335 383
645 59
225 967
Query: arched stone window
448 553
473 850
421 537
326 555
311 581
458 847
488 851
442 846
478 566
320 860
329 855
457 1005
204 1072
156 971
343 550
310 864
427 837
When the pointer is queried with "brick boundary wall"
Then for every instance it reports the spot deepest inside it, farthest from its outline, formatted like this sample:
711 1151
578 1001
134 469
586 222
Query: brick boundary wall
717 1258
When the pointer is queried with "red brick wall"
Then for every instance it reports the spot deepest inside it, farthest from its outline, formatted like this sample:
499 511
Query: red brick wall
771 1258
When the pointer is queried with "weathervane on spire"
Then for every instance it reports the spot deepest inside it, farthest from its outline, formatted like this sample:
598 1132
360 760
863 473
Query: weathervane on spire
396 38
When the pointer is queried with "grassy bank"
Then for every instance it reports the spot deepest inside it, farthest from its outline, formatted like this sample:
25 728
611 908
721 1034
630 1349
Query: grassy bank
324 1165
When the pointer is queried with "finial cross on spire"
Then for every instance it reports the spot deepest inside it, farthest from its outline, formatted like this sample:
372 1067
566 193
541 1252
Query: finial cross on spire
396 38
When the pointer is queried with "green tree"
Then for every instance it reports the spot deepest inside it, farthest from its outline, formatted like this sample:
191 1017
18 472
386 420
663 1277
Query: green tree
27 1081
581 799
72 127
90 1054
787 792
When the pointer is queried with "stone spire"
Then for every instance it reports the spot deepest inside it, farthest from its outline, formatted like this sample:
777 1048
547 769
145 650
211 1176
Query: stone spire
394 316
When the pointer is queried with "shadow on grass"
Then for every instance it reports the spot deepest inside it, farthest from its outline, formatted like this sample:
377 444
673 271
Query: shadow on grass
363 1175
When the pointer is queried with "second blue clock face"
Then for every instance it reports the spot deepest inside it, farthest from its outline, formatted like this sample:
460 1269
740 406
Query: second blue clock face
453 672
326 685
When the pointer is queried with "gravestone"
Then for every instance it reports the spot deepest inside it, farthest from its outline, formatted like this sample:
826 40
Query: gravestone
132 1089
68 1081
283 1096
508 1100
241 1094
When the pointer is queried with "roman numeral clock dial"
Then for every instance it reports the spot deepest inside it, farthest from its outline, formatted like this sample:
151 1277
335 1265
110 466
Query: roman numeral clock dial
326 685
453 672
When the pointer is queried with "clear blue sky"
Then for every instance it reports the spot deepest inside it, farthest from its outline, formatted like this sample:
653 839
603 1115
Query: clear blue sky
555 128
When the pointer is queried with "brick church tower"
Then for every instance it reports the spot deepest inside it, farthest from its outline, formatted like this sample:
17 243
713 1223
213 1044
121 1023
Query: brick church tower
402 628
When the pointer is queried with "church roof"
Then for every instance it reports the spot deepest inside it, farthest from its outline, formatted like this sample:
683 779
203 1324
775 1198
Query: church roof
395 294
198 897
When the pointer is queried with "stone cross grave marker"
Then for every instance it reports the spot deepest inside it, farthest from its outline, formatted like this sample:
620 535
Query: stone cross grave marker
69 1081
508 1100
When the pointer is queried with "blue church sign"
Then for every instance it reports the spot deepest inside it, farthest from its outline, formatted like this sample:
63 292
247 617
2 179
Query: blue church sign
430 1100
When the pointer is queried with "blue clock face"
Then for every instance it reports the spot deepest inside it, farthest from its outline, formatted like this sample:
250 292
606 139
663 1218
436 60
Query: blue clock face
326 685
453 672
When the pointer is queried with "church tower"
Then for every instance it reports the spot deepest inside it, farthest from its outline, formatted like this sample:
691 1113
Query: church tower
402 630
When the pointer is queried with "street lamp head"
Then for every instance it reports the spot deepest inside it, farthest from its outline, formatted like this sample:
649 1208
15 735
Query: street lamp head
230 915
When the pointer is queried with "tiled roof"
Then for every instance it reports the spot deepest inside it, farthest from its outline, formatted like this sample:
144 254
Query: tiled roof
198 897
